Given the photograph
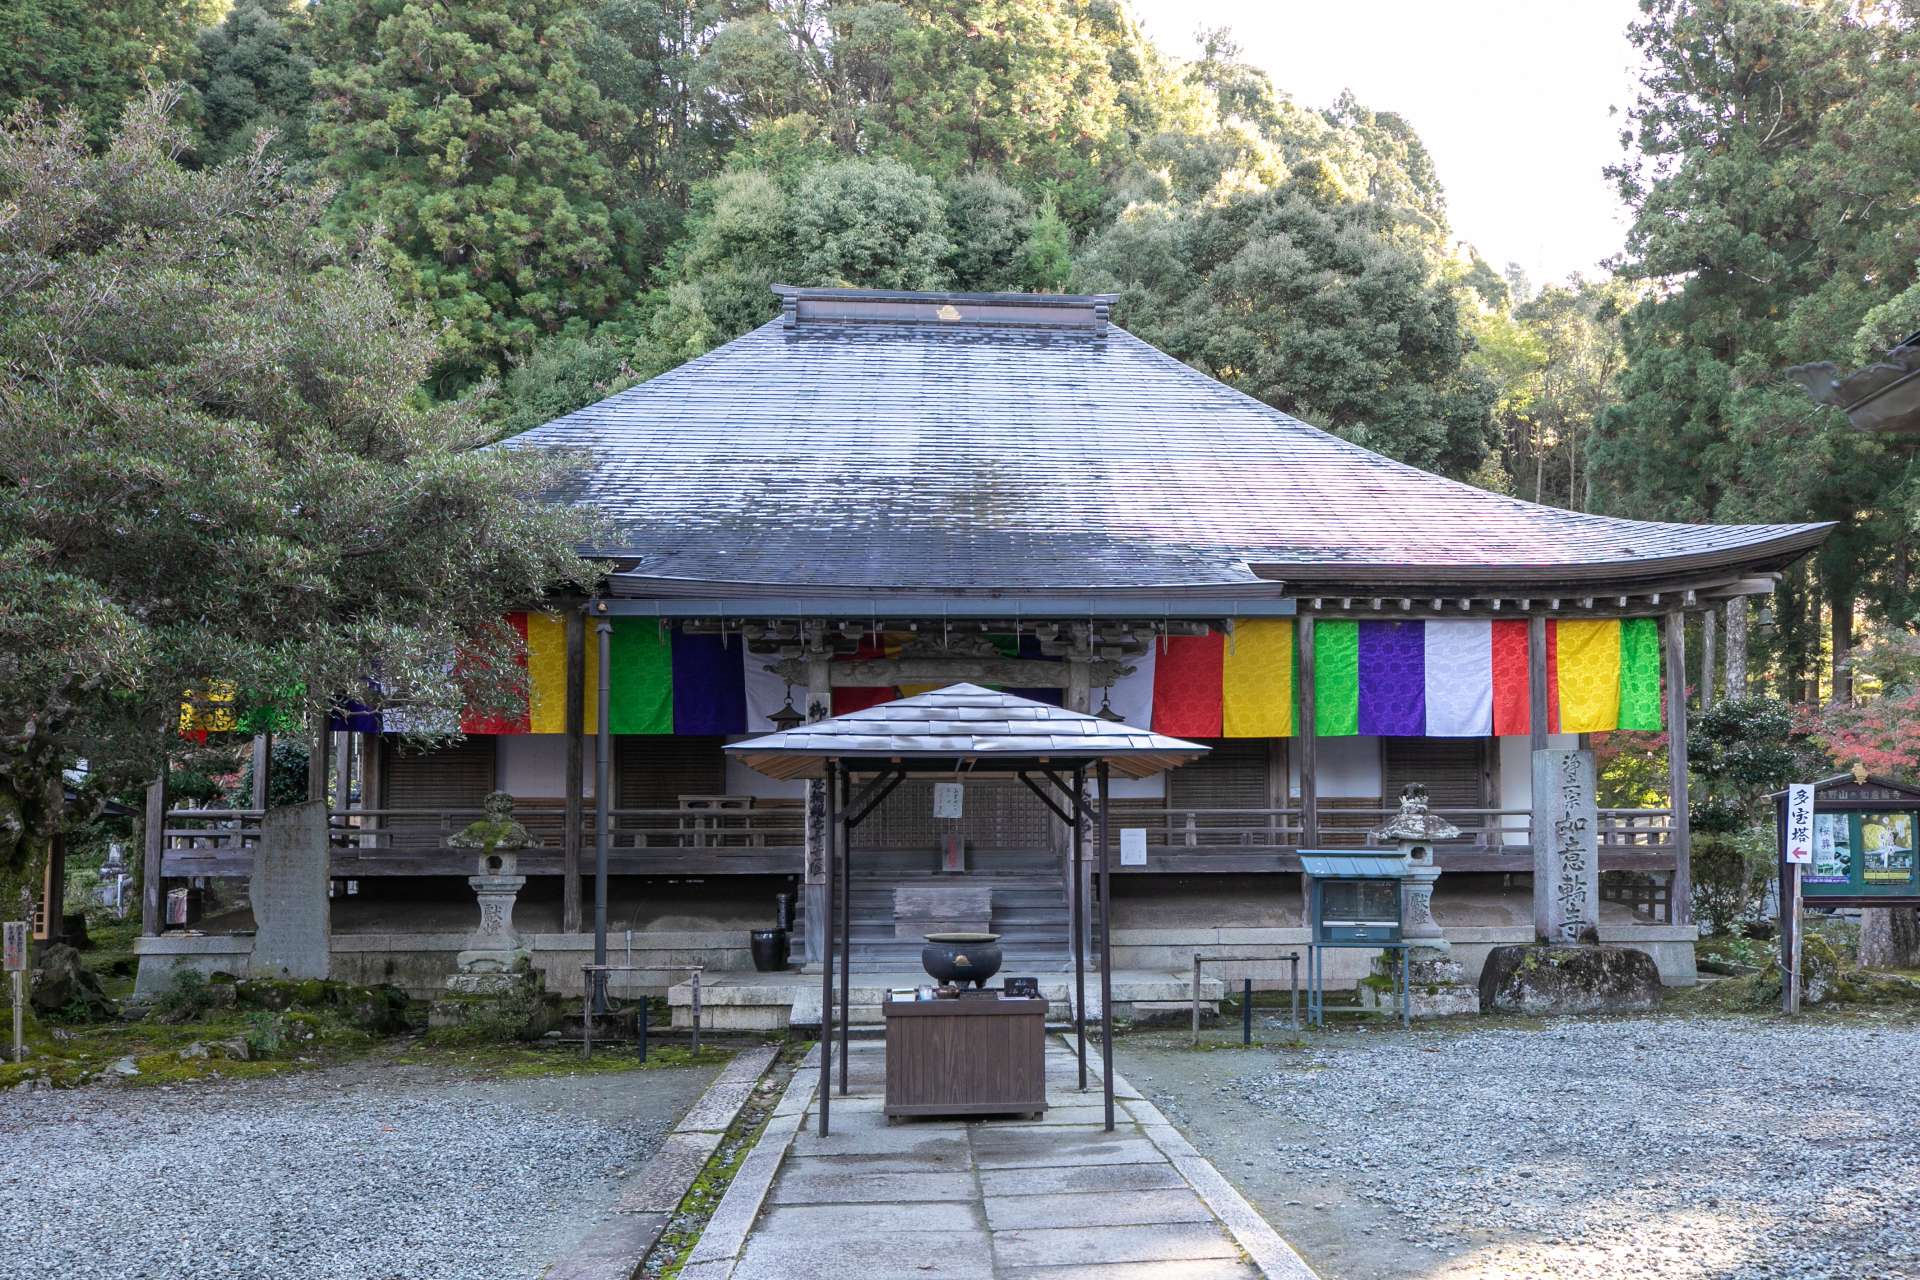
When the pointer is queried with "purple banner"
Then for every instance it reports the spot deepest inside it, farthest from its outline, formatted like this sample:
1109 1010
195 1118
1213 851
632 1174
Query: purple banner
1393 679
709 684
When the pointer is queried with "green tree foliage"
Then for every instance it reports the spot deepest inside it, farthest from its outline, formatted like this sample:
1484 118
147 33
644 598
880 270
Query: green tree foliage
254 74
92 56
1773 172
468 133
1309 307
217 467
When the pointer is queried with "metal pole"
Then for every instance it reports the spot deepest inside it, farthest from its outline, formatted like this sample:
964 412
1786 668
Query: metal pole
586 1011
1246 1011
846 917
827 901
1106 949
19 998
602 814
1406 992
1196 999
1079 921
1294 1000
696 1011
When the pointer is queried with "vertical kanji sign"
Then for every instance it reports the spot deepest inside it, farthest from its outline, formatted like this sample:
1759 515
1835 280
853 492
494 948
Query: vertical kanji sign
1800 824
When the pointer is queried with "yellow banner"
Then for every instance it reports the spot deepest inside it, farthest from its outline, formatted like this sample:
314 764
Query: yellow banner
1256 679
547 676
1588 654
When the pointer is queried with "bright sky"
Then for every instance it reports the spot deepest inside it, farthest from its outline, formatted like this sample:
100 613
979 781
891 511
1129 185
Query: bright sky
1512 97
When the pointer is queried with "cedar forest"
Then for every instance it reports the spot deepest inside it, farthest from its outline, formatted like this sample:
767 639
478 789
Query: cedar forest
563 197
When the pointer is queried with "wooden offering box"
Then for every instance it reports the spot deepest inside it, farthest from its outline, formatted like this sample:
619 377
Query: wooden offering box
973 1056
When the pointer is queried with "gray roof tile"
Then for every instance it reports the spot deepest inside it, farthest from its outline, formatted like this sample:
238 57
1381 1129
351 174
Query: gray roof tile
839 453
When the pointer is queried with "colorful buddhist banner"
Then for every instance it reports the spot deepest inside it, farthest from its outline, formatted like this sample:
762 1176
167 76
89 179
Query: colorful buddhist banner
1438 678
1256 680
1187 685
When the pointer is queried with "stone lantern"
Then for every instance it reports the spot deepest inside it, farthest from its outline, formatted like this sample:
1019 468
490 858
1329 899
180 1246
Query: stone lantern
1437 983
494 947
1414 830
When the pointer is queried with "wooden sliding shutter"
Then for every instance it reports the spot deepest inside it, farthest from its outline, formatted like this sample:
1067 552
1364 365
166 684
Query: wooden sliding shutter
456 777
1453 769
655 770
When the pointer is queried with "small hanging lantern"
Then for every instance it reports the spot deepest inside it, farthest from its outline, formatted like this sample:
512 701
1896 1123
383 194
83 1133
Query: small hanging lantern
1106 711
788 716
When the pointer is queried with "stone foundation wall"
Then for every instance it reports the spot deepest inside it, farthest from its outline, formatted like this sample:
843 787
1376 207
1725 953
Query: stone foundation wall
420 963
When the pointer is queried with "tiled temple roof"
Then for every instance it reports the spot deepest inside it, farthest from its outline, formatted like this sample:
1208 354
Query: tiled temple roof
981 442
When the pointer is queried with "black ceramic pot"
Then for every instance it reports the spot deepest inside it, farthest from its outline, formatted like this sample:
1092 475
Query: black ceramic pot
769 949
961 957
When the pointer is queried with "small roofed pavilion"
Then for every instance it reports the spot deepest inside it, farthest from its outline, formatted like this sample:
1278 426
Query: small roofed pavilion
959 732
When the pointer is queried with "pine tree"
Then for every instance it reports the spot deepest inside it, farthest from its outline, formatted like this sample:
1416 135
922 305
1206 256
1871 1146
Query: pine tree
468 133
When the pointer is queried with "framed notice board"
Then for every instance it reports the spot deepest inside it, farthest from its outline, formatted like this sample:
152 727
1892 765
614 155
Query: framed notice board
1866 843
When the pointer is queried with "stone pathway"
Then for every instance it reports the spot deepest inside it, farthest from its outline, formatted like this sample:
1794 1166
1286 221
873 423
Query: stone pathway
1057 1198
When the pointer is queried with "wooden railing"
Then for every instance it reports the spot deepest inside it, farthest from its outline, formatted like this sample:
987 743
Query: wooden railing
771 839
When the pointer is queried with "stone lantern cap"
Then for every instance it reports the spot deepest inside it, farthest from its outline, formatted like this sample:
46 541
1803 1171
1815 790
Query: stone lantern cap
497 832
1415 823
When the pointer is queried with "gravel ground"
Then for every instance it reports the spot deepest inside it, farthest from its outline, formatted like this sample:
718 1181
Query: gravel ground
368 1171
1597 1150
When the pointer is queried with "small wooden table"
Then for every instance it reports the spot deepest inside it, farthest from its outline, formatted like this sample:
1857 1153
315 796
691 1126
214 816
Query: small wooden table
973 1056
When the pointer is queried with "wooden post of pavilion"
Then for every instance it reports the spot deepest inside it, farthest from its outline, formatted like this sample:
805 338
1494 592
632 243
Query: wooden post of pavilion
1101 771
846 917
1680 888
1079 917
832 785
1736 686
814 914
572 835
1309 740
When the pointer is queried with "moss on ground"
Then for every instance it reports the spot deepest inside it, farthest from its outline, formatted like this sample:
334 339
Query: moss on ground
522 1061
232 1047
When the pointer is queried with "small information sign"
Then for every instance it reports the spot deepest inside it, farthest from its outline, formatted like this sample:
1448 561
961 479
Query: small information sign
15 948
1800 824
948 797
1133 846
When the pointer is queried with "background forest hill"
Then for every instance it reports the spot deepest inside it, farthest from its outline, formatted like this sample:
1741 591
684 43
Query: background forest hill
586 194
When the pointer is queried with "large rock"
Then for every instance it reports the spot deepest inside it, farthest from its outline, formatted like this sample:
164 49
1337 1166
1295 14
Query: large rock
1554 979
63 986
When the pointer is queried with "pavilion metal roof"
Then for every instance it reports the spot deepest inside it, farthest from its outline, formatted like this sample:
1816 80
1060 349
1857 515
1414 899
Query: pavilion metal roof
1354 864
869 441
967 730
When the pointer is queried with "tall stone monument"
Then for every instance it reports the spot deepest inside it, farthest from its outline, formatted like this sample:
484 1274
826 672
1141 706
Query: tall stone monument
1566 848
293 921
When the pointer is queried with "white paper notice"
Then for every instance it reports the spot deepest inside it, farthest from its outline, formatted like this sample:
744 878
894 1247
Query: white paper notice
1133 846
1800 823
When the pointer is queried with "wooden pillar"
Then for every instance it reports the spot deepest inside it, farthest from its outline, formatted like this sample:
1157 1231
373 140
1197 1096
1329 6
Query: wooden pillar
1680 895
819 821
54 888
1307 735
1105 854
602 803
573 821
1079 922
1537 716
1737 647
317 761
828 786
262 771
1537 721
155 842
1079 697
845 913
1709 654
342 770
